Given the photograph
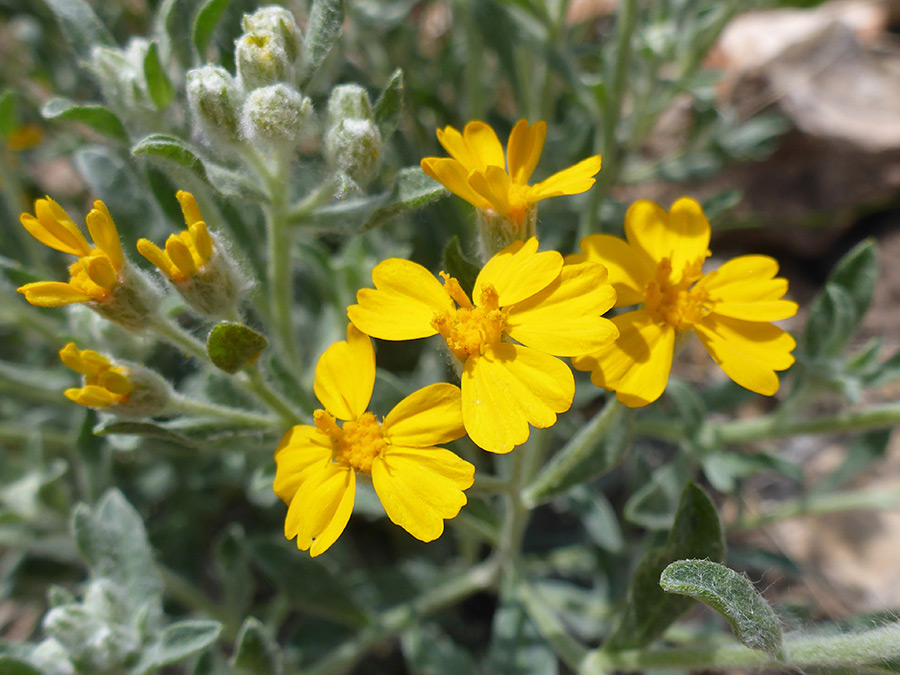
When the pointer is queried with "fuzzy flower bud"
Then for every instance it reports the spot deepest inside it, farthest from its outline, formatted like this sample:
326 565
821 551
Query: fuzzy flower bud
261 60
281 23
216 101
349 100
277 114
352 142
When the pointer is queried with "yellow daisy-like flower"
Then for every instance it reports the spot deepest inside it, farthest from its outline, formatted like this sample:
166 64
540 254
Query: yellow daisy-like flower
420 485
550 309
104 383
478 171
730 309
186 252
96 272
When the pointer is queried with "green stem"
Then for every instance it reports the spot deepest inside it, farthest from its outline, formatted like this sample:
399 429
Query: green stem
819 504
281 292
516 513
191 406
179 338
404 616
254 381
855 649
575 451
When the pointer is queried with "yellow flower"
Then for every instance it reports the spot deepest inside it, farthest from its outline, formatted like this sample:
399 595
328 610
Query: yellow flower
96 272
550 309
104 383
185 253
730 309
419 485
478 172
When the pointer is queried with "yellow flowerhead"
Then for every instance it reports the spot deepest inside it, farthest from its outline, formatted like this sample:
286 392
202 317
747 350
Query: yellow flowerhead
730 309
478 172
100 277
550 309
420 485
199 268
104 383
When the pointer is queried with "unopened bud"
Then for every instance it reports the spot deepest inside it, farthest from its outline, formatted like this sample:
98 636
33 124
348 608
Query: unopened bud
277 114
216 101
132 302
354 147
278 21
261 60
349 100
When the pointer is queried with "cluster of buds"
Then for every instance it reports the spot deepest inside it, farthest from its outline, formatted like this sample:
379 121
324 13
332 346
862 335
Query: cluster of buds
353 142
262 103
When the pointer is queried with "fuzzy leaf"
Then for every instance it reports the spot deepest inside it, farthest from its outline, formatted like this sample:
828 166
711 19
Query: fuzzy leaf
232 346
161 90
752 619
13 666
412 190
98 117
179 641
430 651
326 19
517 647
170 148
255 652
857 273
831 323
81 27
696 533
206 21
389 106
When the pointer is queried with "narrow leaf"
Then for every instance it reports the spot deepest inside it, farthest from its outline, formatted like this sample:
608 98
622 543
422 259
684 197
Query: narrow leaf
9 119
206 22
232 346
326 18
172 149
256 653
389 106
430 651
179 641
161 90
857 273
832 321
752 619
98 117
412 190
81 27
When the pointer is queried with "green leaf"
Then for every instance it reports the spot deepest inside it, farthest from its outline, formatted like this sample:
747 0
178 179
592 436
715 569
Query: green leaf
459 266
598 517
653 505
161 90
752 619
326 19
172 149
857 273
430 651
113 542
412 190
689 404
517 647
696 533
232 346
179 641
9 118
255 652
206 21
721 203
98 117
725 469
831 323
13 666
81 27
146 429
389 106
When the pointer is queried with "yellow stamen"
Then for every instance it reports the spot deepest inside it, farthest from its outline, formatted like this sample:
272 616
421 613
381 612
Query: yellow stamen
677 303
357 443
468 330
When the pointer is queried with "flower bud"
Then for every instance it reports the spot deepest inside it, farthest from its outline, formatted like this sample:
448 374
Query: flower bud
276 114
215 100
349 100
261 60
354 147
278 21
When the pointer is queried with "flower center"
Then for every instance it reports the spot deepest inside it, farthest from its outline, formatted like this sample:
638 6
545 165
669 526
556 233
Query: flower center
355 444
677 304
469 329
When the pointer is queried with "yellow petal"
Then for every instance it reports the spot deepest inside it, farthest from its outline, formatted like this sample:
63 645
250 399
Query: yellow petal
629 270
92 396
345 375
421 487
492 184
52 294
301 449
509 387
682 234
518 272
104 233
202 241
101 271
637 366
180 255
61 235
744 288
572 181
405 299
430 416
452 141
321 507
523 150
483 145
748 351
158 257
116 381
455 177
71 358
564 318
189 207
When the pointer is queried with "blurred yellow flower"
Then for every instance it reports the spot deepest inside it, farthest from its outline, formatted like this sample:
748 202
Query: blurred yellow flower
478 172
551 309
730 309
96 272
418 484
104 383
185 253
25 137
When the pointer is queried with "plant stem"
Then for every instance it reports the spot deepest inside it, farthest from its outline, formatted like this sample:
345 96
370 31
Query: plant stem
575 451
400 618
179 338
848 650
253 380
191 406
